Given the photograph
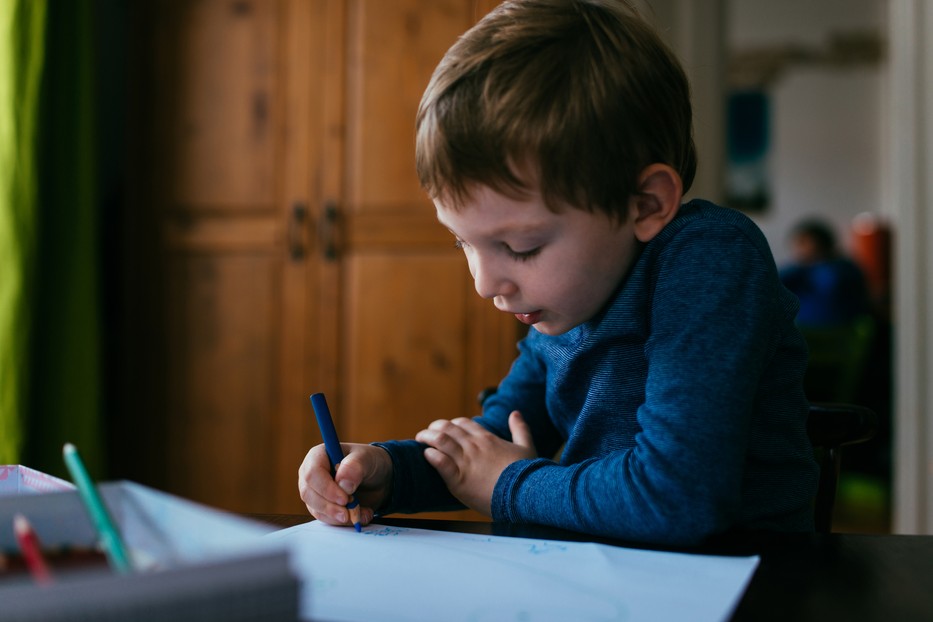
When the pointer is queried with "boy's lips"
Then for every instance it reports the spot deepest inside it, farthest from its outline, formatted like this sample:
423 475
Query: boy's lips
529 318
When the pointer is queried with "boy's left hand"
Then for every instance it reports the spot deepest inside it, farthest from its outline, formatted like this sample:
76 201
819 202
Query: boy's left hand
470 459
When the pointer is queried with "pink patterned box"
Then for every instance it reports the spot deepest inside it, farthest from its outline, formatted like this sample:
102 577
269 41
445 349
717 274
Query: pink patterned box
19 480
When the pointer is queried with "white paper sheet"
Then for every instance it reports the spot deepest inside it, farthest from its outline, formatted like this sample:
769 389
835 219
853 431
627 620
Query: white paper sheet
391 573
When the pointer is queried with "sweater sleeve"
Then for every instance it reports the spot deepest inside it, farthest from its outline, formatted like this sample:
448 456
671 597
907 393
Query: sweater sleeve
523 389
711 316
417 487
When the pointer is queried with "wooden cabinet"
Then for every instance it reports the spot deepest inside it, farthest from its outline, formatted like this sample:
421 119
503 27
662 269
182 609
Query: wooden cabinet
280 243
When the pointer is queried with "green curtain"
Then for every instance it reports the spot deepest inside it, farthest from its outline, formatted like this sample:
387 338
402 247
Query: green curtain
22 25
50 378
65 400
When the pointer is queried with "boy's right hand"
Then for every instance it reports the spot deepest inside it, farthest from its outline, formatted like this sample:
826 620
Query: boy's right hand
366 473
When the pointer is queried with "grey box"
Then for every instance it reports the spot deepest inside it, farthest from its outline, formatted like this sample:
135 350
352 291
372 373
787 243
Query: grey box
194 563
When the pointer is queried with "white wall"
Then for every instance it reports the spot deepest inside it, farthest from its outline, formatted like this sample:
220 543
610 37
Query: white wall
827 150
852 140
910 166
827 121
754 22
695 31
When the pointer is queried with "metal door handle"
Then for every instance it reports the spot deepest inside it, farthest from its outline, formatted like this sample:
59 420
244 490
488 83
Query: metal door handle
328 231
296 226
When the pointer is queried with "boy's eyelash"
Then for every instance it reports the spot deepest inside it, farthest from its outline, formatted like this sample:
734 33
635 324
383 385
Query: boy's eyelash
524 255
518 256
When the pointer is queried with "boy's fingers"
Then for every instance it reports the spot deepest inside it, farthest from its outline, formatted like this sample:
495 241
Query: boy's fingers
432 434
455 427
339 515
315 481
349 475
457 431
441 462
321 484
443 426
442 441
322 509
325 498
347 486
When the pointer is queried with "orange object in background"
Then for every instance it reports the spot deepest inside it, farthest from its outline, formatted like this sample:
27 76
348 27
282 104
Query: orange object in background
871 250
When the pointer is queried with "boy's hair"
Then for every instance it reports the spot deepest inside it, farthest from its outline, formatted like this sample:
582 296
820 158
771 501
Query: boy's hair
576 95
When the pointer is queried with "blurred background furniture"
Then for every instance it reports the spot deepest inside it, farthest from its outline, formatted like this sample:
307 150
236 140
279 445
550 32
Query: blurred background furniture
831 426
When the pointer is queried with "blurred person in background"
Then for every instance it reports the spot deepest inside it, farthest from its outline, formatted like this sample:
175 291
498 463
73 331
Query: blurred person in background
831 287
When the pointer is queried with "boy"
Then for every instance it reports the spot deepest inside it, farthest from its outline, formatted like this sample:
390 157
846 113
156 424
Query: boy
555 139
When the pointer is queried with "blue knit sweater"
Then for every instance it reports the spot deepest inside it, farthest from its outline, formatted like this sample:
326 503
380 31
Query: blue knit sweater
680 407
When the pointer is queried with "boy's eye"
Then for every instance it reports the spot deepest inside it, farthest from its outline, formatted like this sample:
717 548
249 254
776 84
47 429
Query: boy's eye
513 254
522 255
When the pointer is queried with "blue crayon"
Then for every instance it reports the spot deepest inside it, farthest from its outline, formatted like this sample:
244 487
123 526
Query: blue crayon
332 445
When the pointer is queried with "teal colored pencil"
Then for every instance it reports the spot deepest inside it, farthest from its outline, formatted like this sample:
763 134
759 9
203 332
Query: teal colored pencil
110 539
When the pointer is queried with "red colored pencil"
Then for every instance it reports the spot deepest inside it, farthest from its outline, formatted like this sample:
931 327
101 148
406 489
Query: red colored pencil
32 552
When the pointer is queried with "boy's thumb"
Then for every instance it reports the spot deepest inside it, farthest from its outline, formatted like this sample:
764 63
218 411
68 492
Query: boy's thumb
347 476
521 433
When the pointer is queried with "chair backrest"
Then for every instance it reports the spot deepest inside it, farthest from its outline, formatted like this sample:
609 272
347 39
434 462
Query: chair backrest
830 427
838 358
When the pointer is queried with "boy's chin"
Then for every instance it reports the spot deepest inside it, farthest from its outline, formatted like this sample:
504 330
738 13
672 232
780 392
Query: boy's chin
553 328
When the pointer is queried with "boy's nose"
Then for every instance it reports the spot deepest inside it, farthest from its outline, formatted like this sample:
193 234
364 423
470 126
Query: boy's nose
490 282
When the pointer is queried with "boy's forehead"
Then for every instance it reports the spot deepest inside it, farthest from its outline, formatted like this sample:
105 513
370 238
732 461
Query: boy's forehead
494 214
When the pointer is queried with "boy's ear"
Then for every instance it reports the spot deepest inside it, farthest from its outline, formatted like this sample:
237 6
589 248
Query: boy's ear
656 201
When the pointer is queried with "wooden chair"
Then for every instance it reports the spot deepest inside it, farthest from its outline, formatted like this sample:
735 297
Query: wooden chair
830 426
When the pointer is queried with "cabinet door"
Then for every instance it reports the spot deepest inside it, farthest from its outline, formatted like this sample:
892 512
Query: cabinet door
231 136
295 250
416 343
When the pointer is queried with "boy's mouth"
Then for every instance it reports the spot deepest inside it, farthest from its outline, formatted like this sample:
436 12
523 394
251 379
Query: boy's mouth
529 318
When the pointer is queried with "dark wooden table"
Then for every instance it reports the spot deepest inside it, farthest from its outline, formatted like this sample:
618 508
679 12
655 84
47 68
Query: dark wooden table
801 577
